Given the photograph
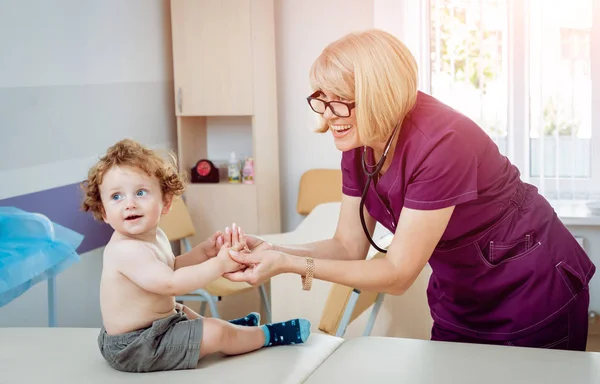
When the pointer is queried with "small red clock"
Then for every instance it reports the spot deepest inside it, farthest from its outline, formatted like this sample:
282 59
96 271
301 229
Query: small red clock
205 172
203 168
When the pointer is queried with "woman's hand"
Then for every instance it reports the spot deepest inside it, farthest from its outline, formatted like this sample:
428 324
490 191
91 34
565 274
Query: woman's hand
226 262
255 243
260 266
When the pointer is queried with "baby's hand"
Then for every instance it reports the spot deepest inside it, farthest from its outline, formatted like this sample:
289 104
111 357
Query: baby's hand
212 245
229 265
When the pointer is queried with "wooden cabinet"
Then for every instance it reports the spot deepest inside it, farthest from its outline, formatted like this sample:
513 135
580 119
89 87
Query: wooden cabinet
212 57
224 65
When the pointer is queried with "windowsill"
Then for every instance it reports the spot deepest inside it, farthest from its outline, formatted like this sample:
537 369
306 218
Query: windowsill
575 213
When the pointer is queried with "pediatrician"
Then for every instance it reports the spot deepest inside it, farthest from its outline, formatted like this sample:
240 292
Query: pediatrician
505 270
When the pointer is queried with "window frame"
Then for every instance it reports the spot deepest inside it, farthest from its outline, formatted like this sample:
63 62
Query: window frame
518 129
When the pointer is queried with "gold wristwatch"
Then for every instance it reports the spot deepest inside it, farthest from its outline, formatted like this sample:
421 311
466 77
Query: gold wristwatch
308 275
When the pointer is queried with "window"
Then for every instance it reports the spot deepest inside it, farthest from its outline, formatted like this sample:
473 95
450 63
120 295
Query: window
522 69
468 61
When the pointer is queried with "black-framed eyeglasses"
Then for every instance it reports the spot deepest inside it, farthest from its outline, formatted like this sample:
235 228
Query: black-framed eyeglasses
338 108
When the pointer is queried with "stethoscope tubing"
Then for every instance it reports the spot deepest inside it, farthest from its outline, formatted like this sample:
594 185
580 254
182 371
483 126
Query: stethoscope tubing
370 176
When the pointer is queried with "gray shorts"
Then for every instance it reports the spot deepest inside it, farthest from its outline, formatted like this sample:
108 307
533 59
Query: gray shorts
168 344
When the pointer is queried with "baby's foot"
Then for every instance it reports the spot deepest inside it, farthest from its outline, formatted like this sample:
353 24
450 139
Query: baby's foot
251 320
288 332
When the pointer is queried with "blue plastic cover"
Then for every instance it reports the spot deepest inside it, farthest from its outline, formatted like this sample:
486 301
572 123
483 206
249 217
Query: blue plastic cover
32 249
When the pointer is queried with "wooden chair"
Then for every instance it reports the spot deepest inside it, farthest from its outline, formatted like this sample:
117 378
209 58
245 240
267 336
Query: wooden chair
318 186
344 304
178 225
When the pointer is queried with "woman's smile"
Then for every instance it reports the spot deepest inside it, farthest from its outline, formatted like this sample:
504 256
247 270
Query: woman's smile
340 130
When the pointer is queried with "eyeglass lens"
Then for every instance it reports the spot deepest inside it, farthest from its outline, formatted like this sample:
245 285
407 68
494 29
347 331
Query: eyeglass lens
338 109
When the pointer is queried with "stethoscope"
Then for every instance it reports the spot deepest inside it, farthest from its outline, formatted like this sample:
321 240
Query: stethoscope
370 175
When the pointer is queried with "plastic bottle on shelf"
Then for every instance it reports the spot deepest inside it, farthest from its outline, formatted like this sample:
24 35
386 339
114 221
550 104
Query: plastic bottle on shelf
248 171
233 169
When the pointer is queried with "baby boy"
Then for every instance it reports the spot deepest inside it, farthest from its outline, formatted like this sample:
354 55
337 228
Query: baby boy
144 328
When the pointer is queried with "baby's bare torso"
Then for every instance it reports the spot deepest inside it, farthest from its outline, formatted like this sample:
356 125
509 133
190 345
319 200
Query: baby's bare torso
125 306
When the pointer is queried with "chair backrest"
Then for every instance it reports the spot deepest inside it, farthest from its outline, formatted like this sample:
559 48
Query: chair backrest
318 186
335 306
177 224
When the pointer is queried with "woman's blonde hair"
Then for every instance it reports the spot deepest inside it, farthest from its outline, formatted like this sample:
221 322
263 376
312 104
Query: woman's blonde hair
374 69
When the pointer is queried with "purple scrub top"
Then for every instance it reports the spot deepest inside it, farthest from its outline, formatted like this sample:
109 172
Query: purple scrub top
505 266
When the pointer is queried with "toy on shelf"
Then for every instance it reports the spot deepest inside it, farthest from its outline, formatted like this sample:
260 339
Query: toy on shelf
248 171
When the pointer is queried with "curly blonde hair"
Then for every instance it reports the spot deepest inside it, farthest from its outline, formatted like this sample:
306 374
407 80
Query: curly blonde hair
128 152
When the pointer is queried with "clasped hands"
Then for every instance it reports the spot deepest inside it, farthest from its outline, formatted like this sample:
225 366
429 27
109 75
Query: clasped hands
245 257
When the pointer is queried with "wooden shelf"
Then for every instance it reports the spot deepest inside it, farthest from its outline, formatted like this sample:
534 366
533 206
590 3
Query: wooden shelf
216 206
219 186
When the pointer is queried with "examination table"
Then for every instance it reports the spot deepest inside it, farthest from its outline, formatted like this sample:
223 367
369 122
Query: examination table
70 355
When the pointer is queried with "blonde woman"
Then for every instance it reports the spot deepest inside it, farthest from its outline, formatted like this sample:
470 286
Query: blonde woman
505 269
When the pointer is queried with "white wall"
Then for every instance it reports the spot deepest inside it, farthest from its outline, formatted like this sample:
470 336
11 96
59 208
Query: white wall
75 77
302 30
